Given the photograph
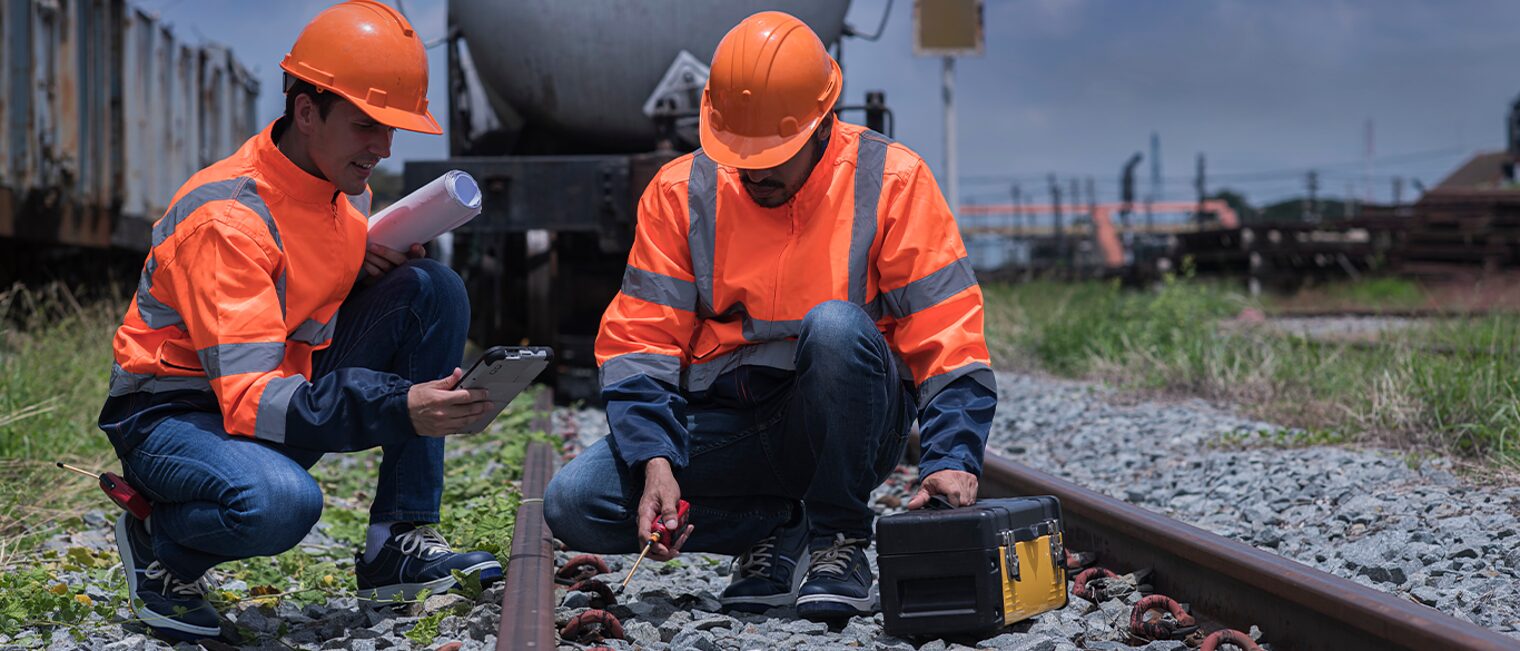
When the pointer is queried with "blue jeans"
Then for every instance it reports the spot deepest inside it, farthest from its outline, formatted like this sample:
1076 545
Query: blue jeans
218 498
760 440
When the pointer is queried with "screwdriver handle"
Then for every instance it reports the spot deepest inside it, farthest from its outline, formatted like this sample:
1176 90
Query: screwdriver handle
658 532
124 496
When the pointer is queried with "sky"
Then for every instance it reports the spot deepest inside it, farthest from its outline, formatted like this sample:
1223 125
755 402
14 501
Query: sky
1264 90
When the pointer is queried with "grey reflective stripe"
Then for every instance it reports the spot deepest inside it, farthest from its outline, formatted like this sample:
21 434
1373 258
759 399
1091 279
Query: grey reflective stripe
775 354
930 290
153 311
360 202
702 207
314 332
978 371
269 424
234 359
758 330
870 165
660 289
124 383
665 368
242 188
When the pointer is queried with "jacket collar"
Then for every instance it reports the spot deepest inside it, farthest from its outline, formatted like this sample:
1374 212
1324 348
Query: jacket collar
821 180
286 177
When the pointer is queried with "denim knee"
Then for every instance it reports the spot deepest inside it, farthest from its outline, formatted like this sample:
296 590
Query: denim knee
438 287
832 329
275 514
580 516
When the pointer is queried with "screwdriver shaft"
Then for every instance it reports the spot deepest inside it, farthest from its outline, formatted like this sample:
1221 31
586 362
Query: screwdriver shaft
635 568
78 470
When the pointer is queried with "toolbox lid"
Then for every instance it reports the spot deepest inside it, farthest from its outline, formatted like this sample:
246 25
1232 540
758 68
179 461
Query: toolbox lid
975 527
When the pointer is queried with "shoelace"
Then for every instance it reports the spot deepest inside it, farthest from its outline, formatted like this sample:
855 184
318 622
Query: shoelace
422 542
155 571
835 558
757 561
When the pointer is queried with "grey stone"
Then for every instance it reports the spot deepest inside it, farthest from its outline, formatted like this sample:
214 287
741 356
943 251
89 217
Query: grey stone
576 600
445 601
677 621
805 627
933 645
253 618
641 632
693 639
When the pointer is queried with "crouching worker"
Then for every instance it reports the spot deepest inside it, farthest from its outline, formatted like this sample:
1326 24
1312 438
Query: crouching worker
249 349
797 294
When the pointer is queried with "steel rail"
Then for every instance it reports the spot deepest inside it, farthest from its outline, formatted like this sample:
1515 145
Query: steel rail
1299 608
527 602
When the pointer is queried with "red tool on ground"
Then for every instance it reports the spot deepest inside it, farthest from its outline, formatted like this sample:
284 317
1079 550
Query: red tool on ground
659 534
119 491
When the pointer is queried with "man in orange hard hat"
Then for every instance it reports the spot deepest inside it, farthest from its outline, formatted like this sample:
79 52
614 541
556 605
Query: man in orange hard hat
248 352
797 294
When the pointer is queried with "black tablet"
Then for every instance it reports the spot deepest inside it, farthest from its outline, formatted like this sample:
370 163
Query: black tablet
504 371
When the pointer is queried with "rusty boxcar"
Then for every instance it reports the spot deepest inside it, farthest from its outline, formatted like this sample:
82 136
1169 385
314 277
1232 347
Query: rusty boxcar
103 113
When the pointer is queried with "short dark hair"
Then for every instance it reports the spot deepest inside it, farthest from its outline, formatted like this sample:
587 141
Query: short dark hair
323 99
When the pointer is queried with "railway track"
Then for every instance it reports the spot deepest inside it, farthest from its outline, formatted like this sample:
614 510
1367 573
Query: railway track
1225 584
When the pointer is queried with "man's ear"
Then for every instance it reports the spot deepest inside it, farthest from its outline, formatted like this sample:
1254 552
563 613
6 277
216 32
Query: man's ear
306 114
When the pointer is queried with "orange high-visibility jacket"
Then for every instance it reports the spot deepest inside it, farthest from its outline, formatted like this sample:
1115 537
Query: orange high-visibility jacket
715 281
242 284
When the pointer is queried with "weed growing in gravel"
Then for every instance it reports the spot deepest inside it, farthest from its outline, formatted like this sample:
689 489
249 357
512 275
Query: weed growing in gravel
1453 386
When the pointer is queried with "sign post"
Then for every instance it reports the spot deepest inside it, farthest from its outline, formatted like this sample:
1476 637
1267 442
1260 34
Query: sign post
947 29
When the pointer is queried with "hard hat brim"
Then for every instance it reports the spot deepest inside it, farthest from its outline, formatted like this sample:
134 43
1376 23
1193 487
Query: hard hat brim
402 119
754 153
389 116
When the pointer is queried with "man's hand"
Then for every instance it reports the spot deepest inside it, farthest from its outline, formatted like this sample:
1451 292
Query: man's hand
379 260
661 494
956 486
438 409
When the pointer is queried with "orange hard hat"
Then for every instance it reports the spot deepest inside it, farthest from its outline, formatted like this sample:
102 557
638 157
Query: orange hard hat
771 83
367 53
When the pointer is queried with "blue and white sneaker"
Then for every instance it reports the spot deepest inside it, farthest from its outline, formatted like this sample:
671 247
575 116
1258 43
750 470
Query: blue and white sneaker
768 575
839 580
417 558
172 607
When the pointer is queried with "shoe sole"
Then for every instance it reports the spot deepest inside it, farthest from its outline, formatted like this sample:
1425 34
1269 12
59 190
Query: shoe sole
408 591
767 602
856 605
152 619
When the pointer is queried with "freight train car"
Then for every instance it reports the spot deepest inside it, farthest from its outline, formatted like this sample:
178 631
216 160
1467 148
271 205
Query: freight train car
104 112
563 111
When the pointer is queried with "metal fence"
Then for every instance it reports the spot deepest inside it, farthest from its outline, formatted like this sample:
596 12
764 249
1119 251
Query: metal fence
103 114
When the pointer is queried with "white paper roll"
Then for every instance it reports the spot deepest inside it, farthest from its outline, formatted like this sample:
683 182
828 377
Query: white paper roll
442 205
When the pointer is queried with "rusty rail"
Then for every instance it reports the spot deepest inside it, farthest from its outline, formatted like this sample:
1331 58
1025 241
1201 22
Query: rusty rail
527 603
1300 608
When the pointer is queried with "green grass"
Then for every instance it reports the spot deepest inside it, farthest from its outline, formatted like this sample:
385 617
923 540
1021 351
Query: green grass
1452 387
54 365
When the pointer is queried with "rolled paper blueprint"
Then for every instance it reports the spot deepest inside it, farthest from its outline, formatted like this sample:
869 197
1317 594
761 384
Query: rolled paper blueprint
442 205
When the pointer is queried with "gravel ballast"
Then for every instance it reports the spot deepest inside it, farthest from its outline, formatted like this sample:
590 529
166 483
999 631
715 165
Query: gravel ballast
1411 528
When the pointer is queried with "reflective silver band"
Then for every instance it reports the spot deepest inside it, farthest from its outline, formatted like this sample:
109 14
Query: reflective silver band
269 424
235 359
660 289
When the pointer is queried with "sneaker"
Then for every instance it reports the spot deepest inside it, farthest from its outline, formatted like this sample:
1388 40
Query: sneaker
839 580
767 576
417 558
172 607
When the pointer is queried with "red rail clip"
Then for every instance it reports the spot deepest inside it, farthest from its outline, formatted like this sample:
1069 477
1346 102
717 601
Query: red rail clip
580 568
1172 622
591 627
1231 637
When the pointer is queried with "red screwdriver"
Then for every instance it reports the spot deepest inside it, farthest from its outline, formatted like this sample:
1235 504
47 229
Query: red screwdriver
659 533
119 491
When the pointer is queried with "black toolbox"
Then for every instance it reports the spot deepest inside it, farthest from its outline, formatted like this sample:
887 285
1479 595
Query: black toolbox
973 569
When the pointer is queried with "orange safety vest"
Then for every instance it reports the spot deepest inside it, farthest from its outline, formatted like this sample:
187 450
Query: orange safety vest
242 284
715 281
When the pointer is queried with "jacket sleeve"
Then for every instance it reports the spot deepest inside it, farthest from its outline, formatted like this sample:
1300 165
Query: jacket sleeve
646 334
222 280
934 309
